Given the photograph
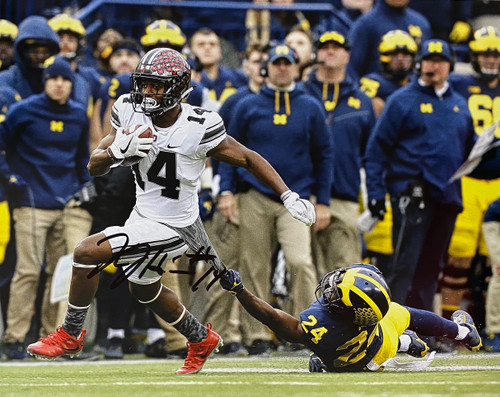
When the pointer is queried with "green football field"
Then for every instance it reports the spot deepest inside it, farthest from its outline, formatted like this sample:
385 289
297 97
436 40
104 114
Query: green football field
458 375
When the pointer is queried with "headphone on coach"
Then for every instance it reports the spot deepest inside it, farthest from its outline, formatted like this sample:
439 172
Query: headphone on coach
435 47
263 67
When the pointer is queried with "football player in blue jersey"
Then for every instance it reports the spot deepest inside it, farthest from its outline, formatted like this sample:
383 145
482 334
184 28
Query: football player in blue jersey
397 51
482 92
353 325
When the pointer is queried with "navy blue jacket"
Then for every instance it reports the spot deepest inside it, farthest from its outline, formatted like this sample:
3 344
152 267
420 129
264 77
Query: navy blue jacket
368 29
227 82
288 129
349 125
419 136
47 145
18 76
226 111
377 85
8 97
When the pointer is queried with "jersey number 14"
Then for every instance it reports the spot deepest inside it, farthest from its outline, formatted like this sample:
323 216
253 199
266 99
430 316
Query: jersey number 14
169 182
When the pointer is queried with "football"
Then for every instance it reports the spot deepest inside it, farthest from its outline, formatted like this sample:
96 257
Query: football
128 161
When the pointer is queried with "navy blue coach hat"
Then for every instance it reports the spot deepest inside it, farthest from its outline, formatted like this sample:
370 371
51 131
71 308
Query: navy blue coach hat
282 51
437 47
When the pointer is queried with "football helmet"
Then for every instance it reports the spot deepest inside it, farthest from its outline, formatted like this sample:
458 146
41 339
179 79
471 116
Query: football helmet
8 33
8 30
63 23
163 33
360 293
164 67
486 41
394 42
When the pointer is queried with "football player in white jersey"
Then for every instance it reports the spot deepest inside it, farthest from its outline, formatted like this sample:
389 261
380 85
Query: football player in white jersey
165 222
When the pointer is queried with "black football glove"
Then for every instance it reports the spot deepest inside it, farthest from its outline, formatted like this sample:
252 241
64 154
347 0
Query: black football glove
377 208
231 281
316 365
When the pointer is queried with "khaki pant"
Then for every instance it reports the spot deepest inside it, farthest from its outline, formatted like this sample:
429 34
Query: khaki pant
339 244
491 231
263 223
221 308
39 232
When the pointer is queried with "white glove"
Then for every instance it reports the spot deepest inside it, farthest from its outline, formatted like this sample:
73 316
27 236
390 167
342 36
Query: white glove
130 145
300 209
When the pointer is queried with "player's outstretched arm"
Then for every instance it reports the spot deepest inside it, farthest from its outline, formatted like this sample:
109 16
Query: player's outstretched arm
280 322
234 153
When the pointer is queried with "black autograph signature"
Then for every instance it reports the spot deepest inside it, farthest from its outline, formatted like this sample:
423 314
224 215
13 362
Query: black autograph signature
142 252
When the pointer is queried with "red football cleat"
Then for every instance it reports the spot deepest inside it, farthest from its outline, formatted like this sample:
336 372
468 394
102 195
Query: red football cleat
58 343
198 352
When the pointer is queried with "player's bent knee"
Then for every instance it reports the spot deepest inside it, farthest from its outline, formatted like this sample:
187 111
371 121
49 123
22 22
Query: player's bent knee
92 251
146 293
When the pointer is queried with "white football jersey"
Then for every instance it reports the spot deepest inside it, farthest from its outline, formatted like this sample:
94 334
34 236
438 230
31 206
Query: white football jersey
167 178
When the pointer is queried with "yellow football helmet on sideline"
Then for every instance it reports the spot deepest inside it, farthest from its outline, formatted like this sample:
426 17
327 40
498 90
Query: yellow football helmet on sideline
8 34
393 42
8 30
486 41
163 33
63 23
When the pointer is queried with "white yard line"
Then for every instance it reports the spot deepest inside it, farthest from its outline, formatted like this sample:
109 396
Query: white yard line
207 382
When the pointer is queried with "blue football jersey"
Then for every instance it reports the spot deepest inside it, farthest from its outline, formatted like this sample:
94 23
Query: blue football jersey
341 345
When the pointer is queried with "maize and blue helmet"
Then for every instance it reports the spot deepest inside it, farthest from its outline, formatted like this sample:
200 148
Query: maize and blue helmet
63 23
486 41
8 30
359 292
393 42
163 33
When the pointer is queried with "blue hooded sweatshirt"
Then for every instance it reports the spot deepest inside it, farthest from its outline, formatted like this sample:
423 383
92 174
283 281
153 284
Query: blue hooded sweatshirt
288 129
20 77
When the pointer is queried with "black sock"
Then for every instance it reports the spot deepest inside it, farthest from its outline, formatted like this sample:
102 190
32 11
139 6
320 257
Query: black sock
192 329
73 322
